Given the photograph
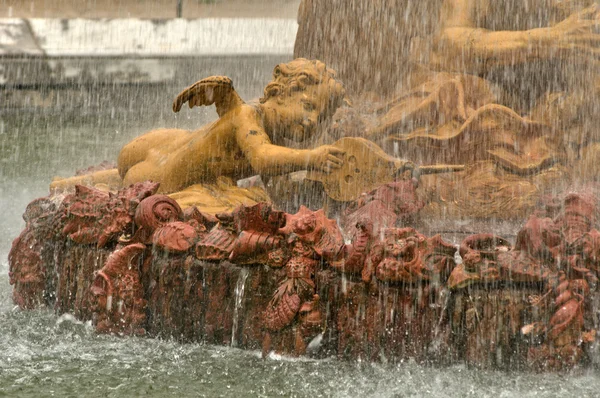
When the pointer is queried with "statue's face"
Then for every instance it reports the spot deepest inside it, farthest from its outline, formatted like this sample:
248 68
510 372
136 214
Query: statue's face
296 116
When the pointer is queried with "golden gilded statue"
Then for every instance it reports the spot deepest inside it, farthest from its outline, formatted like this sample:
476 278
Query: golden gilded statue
537 64
246 140
508 88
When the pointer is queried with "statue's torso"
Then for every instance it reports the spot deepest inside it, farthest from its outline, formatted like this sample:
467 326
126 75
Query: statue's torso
211 152
179 158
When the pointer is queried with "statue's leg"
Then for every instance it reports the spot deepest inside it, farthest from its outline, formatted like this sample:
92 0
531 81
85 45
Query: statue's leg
143 171
107 179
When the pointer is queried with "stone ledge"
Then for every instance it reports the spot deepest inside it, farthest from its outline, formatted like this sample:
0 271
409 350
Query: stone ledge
38 53
16 38
133 37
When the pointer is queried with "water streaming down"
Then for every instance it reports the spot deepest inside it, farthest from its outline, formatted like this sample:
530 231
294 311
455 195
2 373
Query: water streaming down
240 287
62 356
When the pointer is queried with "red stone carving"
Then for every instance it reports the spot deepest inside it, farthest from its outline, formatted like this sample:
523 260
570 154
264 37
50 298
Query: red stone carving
118 294
390 205
539 237
407 256
152 213
356 253
564 338
175 237
277 258
200 221
216 245
578 216
315 229
254 247
383 208
557 253
93 216
311 237
560 254
26 271
480 254
283 307
260 218
157 210
245 236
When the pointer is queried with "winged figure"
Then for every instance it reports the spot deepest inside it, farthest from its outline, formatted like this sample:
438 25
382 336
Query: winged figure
246 140
216 90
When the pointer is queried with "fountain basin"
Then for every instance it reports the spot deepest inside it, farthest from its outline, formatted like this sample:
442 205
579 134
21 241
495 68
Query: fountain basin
134 264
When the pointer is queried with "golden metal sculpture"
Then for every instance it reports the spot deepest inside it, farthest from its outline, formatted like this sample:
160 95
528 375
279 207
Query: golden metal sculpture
246 140
508 88
517 92
243 141
510 84
506 97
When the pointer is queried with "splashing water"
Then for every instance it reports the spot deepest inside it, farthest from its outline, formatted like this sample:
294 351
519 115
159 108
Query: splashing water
43 354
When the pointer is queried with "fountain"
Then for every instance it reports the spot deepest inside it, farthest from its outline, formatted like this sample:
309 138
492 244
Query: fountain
477 129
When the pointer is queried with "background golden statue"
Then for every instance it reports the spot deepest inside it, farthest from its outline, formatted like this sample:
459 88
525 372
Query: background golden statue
508 88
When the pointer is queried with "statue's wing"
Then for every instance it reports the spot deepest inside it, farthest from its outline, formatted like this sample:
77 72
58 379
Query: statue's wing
216 90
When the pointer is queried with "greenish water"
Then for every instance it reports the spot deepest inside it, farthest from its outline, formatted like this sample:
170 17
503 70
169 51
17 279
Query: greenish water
42 354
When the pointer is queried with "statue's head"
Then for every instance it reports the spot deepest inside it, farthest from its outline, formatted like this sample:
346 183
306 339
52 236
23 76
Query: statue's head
302 94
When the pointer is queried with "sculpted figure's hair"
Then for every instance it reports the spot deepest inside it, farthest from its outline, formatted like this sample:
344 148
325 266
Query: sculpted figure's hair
301 73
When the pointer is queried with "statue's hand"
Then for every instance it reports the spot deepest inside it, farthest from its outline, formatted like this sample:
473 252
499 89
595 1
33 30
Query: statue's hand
325 158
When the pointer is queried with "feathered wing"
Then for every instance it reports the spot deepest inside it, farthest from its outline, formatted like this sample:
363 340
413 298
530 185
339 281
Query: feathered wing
216 90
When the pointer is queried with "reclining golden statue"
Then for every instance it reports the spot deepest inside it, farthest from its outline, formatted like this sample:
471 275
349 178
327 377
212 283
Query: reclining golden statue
246 140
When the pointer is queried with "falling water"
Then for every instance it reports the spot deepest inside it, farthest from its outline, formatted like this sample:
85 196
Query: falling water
57 132
240 286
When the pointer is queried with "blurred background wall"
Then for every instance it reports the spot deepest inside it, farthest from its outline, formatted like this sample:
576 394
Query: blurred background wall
148 8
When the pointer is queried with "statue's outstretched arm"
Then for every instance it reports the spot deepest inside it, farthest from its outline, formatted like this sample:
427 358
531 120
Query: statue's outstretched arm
464 45
216 90
269 159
